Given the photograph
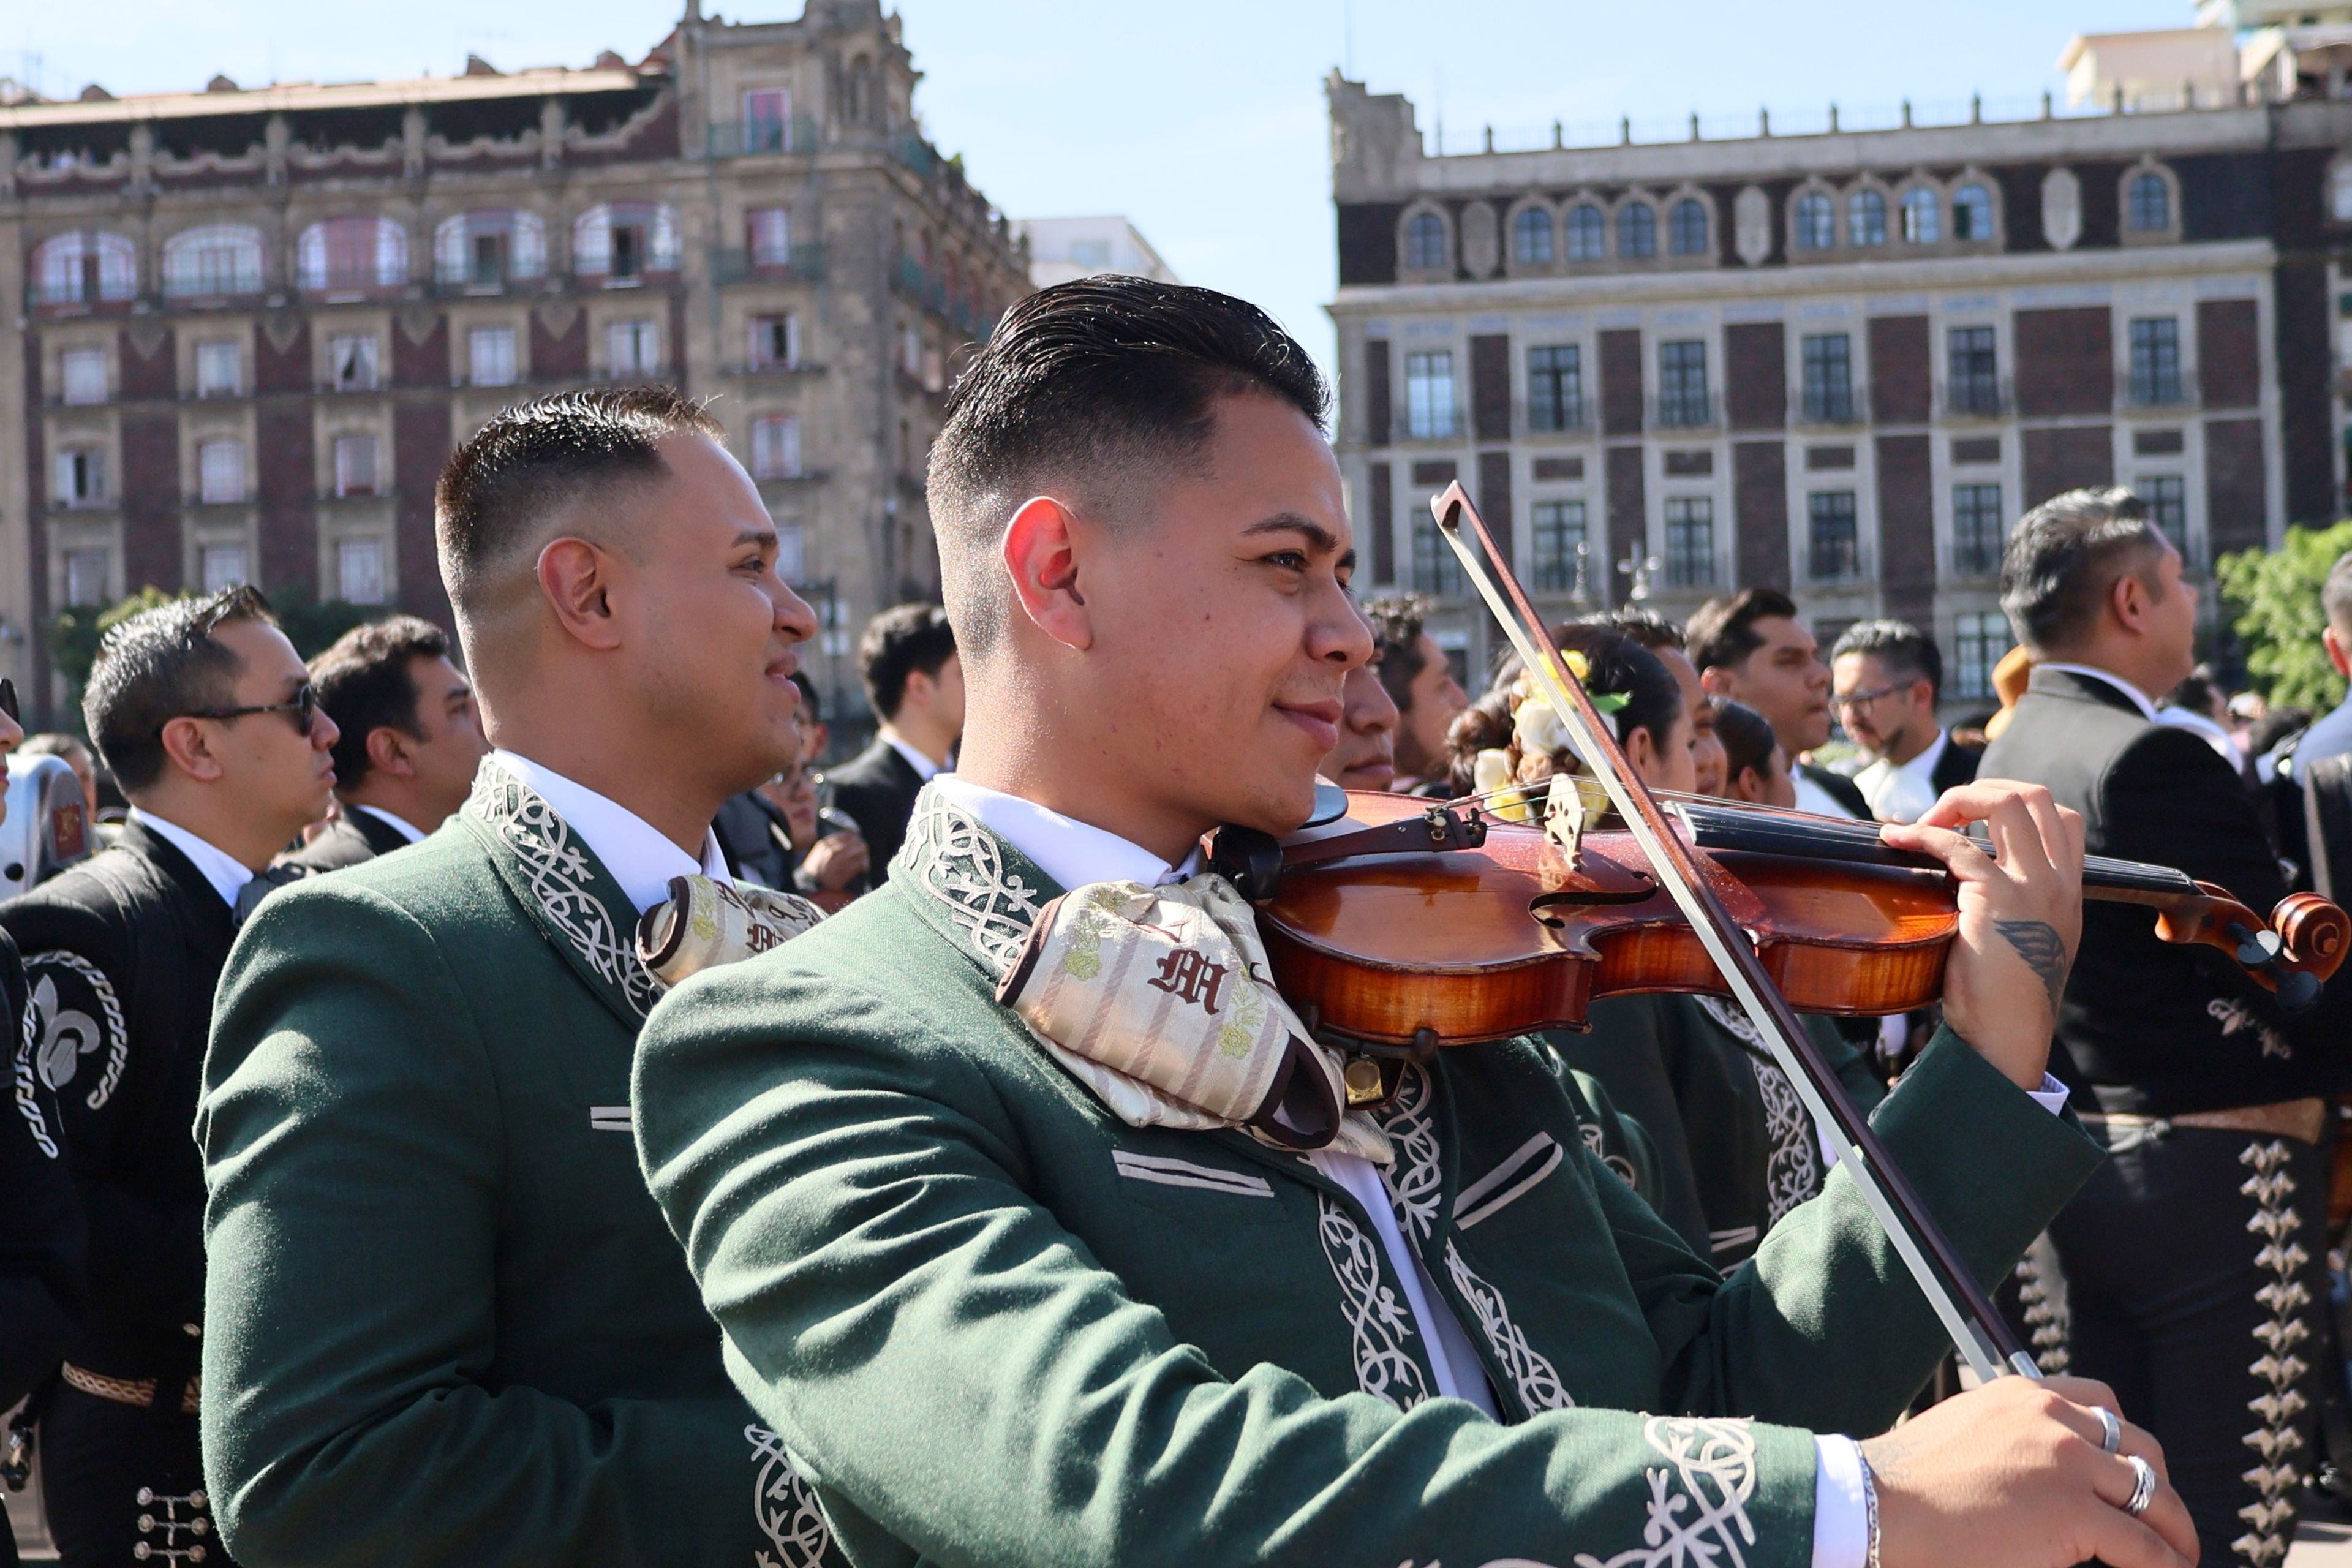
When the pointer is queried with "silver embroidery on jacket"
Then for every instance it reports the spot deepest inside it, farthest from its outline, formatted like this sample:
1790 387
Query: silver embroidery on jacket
27 1106
1698 1509
1792 1171
785 1506
1535 1377
69 1033
2043 1309
1379 1328
1415 1180
2236 1017
2275 1477
962 864
562 878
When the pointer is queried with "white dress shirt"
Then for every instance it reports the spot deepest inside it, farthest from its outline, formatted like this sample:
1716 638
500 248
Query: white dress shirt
1813 797
1903 791
399 825
2205 730
1074 854
227 875
925 769
637 854
2140 700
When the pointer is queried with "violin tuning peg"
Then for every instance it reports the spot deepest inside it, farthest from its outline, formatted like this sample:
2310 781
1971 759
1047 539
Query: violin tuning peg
2297 989
2256 948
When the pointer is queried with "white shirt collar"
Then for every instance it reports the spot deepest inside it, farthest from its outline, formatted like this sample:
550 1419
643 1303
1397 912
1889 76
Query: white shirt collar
399 825
640 859
925 769
227 874
2140 700
1903 793
1068 850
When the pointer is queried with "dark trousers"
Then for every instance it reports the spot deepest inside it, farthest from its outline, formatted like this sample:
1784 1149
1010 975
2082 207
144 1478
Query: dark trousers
2194 1267
123 1485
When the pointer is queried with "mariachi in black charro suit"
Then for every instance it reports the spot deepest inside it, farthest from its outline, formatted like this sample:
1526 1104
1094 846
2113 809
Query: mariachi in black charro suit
876 788
352 838
120 955
42 1236
2192 1258
1957 766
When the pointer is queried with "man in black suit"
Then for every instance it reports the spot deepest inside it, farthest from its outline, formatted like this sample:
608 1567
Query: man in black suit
1753 649
211 725
2193 1258
913 678
1886 678
410 740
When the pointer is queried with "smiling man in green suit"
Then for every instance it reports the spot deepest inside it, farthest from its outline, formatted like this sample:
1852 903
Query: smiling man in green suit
445 1324
1007 1301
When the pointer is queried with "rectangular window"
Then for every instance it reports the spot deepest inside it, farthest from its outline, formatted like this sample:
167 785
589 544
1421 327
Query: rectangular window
82 373
1682 400
775 447
352 361
81 476
2155 361
220 370
491 356
221 567
632 348
220 472
1690 540
1979 640
86 577
1559 543
629 253
790 562
1556 388
766 113
771 231
775 342
1429 394
1975 371
2167 496
486 261
1835 536
355 465
1829 379
358 570
1977 529
1436 570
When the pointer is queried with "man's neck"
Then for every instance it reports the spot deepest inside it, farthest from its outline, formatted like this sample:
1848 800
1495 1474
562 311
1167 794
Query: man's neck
1075 791
1912 742
911 731
250 844
637 774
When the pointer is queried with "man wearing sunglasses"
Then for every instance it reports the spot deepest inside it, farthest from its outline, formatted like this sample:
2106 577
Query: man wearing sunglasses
206 715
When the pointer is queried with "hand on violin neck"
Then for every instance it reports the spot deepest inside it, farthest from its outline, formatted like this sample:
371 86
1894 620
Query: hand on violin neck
2020 909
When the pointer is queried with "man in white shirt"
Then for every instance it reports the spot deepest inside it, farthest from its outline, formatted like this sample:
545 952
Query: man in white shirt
1754 648
1886 678
908 660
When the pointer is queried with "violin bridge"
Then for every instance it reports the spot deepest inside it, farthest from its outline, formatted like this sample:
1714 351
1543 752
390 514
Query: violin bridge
1567 811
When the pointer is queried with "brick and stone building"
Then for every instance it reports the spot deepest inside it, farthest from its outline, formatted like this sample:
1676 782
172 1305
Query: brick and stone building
1839 363
253 322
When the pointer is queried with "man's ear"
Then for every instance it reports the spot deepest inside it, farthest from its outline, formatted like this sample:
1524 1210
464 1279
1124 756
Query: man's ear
575 577
2127 597
1041 557
1714 680
2337 654
188 745
387 751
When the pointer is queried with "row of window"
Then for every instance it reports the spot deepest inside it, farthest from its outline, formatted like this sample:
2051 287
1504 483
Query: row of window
1826 394
361 575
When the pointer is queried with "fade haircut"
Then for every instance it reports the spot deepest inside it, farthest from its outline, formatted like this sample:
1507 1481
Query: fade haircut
365 684
1644 625
2335 599
897 643
2066 554
1103 383
1723 633
160 665
1908 653
538 460
1397 622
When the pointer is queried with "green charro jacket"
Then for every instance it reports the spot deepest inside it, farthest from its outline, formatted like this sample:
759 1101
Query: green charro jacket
993 1324
445 1323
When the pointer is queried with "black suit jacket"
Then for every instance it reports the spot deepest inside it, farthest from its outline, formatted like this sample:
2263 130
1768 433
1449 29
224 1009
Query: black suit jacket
351 840
2147 1026
877 789
42 1235
1957 766
122 954
1841 786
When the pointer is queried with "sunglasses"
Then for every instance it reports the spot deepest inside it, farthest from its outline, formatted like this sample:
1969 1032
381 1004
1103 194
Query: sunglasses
302 709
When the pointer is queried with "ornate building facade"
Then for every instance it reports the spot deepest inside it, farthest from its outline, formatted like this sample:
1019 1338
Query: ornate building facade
255 322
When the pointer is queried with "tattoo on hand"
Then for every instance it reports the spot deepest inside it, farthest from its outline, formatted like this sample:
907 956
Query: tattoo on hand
2038 942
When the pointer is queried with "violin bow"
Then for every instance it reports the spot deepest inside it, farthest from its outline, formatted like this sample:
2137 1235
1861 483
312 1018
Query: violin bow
1978 1330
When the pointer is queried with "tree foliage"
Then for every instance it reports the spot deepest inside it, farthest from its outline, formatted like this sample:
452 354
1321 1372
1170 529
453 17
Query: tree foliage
78 629
2275 596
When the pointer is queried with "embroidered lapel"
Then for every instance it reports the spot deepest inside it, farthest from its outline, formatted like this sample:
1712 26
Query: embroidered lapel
969 885
570 895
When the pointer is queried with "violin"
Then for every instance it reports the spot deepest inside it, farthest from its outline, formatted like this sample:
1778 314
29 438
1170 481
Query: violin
1396 926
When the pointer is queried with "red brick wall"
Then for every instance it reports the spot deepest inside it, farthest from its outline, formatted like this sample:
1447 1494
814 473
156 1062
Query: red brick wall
1629 529
36 531
153 375
2066 361
421 362
420 445
284 369
287 493
1379 524
2237 489
1620 385
1490 388
1376 391
1759 504
1906 527
2229 353
1756 366
1900 373
560 356
2059 460
150 499
1494 499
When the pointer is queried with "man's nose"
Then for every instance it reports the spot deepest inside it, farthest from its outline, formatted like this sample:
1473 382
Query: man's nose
324 732
794 619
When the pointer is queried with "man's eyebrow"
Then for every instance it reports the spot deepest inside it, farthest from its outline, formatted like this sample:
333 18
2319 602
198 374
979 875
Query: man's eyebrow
1318 537
755 536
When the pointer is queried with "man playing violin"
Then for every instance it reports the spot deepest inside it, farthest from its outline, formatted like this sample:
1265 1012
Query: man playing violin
1011 1291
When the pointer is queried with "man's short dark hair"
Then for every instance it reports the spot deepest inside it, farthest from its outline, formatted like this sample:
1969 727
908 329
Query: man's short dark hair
1648 628
160 665
811 704
2064 556
364 683
1722 634
1398 621
2336 598
1908 653
1102 381
539 458
897 643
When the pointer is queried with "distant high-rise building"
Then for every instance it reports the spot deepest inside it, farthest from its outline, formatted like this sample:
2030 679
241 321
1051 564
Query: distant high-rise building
1061 248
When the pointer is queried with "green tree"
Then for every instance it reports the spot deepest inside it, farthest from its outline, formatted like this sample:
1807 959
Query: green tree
2275 596
75 634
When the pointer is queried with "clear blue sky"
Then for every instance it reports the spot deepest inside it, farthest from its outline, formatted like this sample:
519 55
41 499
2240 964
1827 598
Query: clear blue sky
1204 122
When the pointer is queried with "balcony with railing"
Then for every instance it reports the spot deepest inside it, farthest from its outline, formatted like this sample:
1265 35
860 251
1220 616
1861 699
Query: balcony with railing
911 280
1829 408
1689 409
2146 389
1976 397
803 263
750 138
1565 418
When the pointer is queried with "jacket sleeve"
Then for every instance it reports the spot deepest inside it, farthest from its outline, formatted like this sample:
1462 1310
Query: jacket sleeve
42 1236
353 1140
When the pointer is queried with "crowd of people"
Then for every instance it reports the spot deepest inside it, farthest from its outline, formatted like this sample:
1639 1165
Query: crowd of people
372 1200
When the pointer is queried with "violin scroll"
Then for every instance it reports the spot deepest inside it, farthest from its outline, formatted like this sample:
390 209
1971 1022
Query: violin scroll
2293 954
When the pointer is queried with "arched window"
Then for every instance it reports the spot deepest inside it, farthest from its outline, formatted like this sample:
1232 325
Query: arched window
84 269
1588 234
1815 226
1637 230
1972 213
218 258
351 253
1865 218
1687 227
1923 217
486 249
1424 242
2149 206
1531 235
623 241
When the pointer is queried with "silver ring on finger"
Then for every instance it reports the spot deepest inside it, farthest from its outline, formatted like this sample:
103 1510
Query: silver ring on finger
2111 1429
2143 1486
